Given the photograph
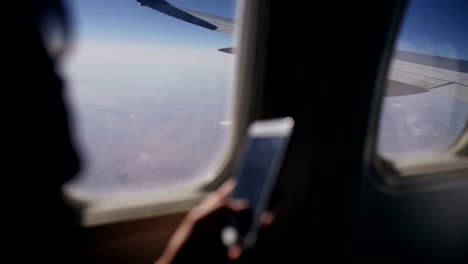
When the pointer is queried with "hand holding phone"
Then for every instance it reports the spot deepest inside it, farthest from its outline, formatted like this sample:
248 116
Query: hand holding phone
198 236
258 168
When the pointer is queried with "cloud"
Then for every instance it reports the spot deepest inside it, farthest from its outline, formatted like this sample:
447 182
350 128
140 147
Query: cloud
106 63
428 47
127 53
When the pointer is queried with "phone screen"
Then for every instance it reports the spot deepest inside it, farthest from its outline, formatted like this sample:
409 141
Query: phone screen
257 174
257 165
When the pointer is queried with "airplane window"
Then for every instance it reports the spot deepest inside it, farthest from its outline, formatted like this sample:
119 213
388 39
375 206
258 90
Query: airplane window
150 84
425 108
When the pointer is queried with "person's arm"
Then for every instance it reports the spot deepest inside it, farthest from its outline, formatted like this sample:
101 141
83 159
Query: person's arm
198 238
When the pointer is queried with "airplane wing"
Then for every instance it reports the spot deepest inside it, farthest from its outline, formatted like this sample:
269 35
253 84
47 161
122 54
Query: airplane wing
208 21
410 73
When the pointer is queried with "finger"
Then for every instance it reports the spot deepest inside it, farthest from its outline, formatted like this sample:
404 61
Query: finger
208 205
225 190
234 252
267 219
238 205
215 200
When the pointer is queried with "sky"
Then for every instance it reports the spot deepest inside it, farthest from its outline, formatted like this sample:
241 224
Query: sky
436 27
431 26
126 21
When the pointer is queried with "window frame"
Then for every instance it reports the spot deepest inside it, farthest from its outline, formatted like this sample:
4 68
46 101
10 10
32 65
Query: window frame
392 176
444 168
448 167
95 211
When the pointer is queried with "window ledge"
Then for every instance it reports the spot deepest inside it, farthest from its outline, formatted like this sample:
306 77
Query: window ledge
434 165
99 211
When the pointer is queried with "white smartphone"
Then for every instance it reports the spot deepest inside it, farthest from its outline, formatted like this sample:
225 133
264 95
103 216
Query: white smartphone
257 171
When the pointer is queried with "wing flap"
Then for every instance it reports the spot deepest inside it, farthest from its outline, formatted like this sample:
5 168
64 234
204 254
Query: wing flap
445 81
223 25
460 92
430 72
208 21
416 79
